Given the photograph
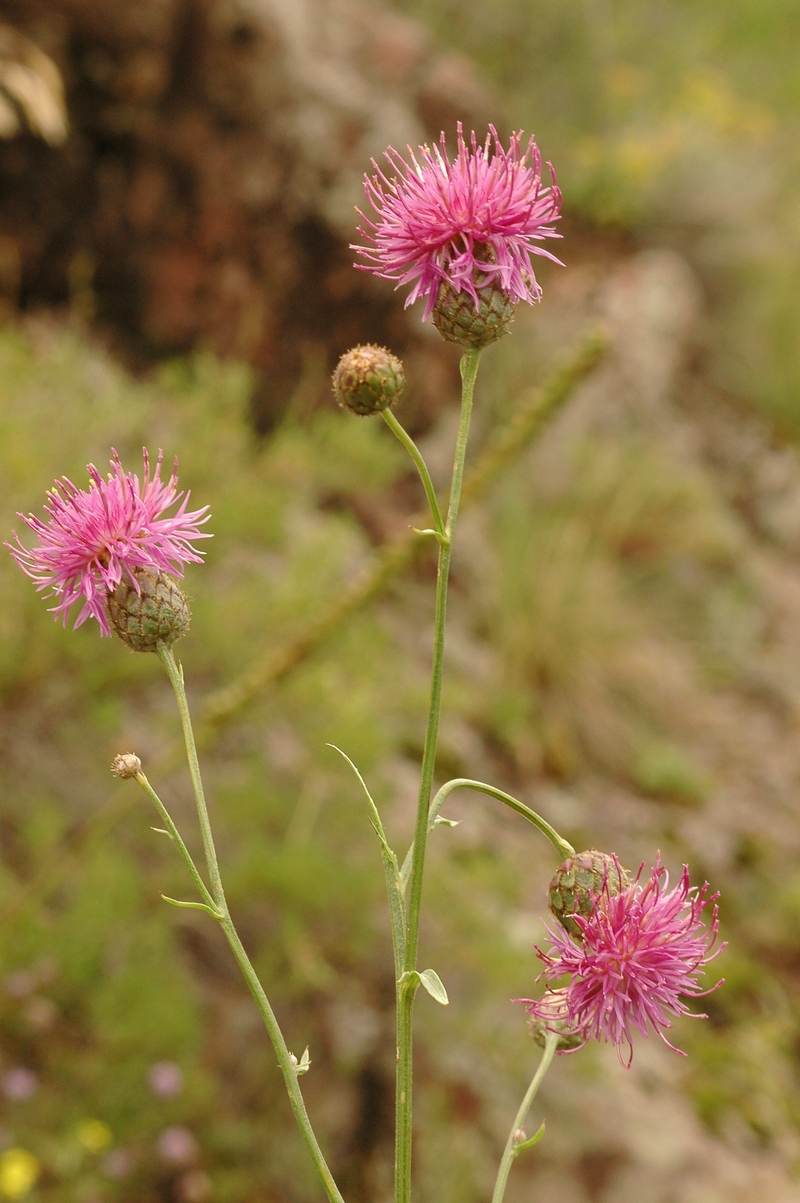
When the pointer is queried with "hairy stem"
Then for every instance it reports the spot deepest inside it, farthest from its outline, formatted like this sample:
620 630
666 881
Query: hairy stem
408 983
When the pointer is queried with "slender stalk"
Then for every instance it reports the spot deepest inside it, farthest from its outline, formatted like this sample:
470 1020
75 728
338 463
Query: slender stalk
177 840
424 475
394 888
561 845
513 1145
409 982
175 674
286 1063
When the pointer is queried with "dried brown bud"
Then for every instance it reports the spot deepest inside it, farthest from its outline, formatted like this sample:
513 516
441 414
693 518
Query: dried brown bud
126 765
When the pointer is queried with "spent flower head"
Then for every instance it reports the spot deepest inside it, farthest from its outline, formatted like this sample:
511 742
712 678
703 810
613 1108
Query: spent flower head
92 540
641 953
466 224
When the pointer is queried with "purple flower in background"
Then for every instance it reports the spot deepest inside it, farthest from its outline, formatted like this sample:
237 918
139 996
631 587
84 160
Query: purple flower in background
178 1145
93 538
19 1084
166 1079
641 952
468 223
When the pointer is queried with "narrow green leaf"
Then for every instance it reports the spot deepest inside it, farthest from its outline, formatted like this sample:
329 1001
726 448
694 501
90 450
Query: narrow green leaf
193 906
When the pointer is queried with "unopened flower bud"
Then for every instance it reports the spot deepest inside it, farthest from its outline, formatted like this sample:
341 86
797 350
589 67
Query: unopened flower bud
552 1018
578 884
126 765
368 379
155 612
459 321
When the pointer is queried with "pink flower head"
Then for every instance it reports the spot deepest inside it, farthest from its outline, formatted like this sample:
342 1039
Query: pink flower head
469 222
641 952
92 538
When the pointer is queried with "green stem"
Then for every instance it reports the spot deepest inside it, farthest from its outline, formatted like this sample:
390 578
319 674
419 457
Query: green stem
513 1147
408 983
175 674
177 840
286 1063
391 870
424 475
561 845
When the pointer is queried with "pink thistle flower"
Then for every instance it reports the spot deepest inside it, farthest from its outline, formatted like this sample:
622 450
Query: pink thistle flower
94 538
468 223
641 952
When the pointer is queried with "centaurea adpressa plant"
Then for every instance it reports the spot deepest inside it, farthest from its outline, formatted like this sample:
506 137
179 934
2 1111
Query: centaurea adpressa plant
627 951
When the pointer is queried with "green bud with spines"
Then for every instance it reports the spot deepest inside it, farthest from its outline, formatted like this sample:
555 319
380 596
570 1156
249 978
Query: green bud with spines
368 379
579 883
457 319
155 613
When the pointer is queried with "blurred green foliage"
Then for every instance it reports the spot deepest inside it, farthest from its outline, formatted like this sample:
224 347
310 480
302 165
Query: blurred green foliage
674 122
591 625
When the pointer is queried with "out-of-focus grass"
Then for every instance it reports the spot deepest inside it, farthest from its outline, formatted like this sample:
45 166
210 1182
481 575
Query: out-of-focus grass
675 121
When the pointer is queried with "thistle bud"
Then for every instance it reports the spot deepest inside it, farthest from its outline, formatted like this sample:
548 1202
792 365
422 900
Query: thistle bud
155 612
368 379
457 319
578 884
552 1017
126 765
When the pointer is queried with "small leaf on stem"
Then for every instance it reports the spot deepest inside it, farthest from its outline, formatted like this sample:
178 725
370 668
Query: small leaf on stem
430 979
528 1144
303 1065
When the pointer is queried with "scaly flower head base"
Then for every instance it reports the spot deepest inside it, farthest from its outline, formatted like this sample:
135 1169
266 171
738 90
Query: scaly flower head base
468 224
93 540
641 952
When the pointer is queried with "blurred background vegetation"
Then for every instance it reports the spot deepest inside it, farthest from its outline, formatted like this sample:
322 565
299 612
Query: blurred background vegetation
623 654
669 121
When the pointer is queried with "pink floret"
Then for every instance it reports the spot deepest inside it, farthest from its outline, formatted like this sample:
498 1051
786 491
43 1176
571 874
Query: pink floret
91 539
468 222
643 952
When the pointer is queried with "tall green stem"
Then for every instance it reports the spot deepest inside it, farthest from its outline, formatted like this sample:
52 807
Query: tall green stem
287 1064
515 1145
409 982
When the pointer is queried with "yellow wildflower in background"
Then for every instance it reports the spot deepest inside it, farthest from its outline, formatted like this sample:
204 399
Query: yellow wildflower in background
19 1169
94 1135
